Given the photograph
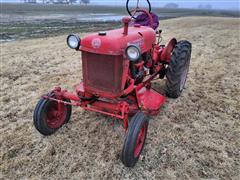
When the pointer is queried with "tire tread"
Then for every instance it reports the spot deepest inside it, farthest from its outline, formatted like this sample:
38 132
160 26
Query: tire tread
175 68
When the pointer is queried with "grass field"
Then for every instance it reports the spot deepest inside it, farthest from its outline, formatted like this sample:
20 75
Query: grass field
194 137
23 21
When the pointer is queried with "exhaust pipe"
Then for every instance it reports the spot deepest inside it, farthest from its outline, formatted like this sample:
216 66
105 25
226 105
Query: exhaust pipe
126 21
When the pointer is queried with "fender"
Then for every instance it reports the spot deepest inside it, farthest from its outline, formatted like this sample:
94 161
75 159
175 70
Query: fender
167 51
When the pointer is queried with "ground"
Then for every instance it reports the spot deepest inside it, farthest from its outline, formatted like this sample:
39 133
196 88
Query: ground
195 136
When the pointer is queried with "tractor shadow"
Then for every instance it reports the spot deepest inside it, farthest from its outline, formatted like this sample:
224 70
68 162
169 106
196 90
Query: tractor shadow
159 86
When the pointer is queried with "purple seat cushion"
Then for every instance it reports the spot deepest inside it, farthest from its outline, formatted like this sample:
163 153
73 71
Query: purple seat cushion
144 20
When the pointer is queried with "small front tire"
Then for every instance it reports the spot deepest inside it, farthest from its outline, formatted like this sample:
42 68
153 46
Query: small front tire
48 118
135 139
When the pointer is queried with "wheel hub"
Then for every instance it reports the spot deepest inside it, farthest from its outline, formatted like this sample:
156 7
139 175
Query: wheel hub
55 117
140 141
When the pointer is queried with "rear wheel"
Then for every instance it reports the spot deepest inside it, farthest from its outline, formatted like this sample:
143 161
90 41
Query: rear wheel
135 139
178 69
49 116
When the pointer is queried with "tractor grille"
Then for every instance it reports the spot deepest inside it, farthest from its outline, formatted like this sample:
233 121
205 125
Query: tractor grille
102 72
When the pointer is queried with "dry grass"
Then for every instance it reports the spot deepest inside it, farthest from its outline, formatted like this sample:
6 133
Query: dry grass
195 136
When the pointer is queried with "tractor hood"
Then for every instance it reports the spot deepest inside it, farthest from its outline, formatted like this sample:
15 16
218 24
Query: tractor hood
114 42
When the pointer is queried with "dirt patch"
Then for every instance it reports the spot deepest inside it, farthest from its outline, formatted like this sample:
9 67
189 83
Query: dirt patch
194 136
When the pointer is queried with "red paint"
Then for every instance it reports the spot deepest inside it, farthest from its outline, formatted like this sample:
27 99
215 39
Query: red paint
149 100
115 41
126 21
55 114
167 50
108 85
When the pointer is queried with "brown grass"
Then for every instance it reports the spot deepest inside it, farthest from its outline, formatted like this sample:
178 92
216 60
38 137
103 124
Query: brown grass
195 136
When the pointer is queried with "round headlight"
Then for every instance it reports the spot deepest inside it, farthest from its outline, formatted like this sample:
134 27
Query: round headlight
73 41
133 53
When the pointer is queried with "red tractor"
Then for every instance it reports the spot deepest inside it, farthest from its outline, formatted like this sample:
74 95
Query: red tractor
118 68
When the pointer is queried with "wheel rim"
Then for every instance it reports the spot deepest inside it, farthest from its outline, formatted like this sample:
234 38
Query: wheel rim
55 114
140 140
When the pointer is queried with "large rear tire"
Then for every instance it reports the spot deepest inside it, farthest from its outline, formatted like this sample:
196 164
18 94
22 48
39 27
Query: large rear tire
178 69
48 118
135 139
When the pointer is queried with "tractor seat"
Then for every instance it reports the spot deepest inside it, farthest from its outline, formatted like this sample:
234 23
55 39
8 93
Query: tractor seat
144 20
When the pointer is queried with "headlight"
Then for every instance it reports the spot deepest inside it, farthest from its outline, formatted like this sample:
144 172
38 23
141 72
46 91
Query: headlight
73 41
133 53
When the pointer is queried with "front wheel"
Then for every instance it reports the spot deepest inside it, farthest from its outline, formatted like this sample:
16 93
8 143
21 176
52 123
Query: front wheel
49 116
135 139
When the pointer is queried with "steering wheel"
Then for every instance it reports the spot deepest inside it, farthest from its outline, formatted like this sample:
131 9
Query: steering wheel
137 9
